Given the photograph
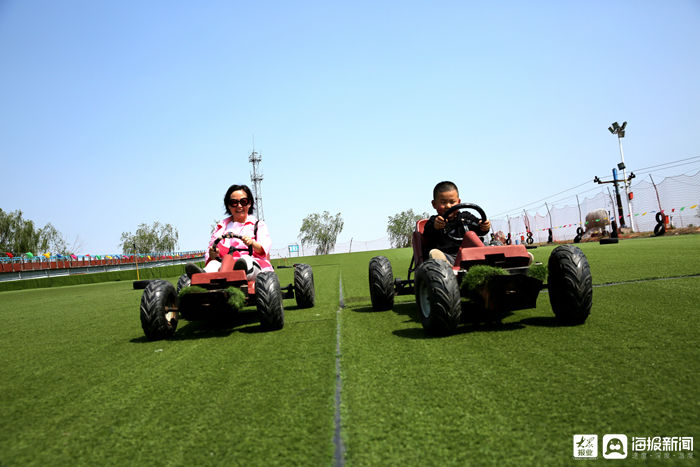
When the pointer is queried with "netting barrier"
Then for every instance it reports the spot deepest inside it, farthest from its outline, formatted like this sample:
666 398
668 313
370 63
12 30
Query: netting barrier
677 197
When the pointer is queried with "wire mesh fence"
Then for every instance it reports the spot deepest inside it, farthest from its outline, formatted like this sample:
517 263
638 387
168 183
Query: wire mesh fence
677 197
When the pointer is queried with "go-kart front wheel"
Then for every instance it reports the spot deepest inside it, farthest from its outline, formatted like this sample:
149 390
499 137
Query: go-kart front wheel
570 284
268 300
159 310
381 283
304 290
438 298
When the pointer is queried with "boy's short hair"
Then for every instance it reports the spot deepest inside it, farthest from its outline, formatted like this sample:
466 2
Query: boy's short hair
443 187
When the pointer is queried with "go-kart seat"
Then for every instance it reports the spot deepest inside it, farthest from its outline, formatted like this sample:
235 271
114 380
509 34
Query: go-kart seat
418 242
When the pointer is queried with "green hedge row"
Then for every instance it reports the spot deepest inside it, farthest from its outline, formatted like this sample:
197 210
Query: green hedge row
92 278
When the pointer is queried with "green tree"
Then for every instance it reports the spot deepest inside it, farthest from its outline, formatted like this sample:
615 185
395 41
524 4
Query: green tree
54 241
321 230
150 239
401 226
19 235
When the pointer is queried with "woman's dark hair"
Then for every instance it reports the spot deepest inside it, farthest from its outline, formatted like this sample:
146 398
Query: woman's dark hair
248 193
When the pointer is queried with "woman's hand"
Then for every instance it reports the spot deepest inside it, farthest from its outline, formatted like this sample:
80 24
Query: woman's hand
250 242
213 253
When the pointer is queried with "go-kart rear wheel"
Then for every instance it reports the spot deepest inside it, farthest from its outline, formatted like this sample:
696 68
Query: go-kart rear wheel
159 310
381 283
570 284
268 300
438 298
304 290
182 282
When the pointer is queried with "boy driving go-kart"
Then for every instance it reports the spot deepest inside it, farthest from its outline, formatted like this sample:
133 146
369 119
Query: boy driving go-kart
480 283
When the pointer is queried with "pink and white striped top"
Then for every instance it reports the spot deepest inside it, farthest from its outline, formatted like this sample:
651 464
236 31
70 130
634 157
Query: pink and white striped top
246 229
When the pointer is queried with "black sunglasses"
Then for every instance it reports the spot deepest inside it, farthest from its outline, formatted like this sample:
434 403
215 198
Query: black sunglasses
234 202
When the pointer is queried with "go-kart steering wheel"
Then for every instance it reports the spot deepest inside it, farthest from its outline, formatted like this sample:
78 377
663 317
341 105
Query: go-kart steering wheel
459 207
226 235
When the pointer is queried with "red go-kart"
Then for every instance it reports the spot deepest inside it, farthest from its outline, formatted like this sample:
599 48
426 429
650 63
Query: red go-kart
439 294
162 306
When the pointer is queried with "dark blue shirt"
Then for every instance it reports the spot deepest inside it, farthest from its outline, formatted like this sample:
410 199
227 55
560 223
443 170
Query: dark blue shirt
434 238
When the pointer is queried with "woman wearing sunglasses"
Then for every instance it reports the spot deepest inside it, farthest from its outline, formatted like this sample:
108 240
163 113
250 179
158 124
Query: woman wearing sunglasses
252 242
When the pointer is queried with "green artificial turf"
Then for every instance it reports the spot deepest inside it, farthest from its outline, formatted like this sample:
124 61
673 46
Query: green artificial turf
82 386
516 393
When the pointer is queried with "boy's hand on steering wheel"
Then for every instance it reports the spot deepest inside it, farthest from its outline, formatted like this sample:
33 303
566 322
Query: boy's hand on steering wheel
440 223
485 226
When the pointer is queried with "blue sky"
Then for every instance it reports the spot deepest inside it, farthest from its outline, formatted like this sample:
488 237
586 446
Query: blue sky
116 113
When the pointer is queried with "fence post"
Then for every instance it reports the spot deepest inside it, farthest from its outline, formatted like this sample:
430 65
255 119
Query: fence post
657 193
580 221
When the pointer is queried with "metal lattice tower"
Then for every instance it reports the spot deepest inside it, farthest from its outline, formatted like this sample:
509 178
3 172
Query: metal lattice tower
256 177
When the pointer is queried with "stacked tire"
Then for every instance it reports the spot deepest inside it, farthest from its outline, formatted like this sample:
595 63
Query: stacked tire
660 228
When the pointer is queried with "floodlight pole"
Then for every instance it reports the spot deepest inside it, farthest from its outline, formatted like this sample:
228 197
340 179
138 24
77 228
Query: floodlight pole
627 184
619 131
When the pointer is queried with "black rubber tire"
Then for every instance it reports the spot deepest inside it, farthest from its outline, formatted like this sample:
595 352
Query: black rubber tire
579 231
268 300
609 241
659 217
529 240
304 290
577 239
158 295
140 285
570 284
381 283
182 282
438 298
659 230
